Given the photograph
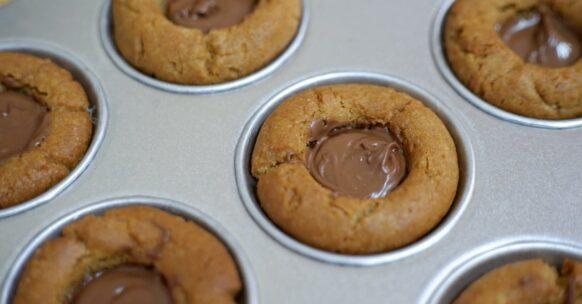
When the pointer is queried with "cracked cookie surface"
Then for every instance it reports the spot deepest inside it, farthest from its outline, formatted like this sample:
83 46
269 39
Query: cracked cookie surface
528 281
196 266
490 69
312 213
152 43
29 174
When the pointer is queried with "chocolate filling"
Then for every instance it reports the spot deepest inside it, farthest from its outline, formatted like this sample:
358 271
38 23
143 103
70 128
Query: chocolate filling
23 123
358 161
207 15
540 37
125 284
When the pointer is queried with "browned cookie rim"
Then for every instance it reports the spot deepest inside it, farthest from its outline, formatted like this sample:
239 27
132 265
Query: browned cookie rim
386 245
149 208
56 158
217 78
533 276
542 109
448 283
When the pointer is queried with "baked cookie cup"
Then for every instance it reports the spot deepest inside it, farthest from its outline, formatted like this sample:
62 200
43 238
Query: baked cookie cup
314 214
528 281
157 46
478 50
137 253
66 126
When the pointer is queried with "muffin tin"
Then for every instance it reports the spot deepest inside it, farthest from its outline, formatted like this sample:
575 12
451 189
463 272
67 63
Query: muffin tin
519 185
250 295
437 45
465 270
246 183
106 33
98 112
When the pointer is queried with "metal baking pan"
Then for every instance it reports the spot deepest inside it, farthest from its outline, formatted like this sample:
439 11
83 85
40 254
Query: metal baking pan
249 296
519 194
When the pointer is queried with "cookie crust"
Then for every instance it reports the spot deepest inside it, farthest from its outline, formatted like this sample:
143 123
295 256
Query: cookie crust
196 265
149 41
572 272
490 69
313 214
529 281
29 174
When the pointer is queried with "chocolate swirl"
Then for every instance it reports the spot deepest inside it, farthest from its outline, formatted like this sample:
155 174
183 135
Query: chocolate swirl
126 284
207 15
540 37
363 162
23 123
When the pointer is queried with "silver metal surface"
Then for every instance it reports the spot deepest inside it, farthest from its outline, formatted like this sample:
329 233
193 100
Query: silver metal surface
441 60
98 108
449 284
4 3
250 295
246 183
106 32
182 146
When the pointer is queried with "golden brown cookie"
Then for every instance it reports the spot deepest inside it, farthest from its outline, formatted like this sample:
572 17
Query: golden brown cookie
317 216
155 45
529 281
492 70
572 272
196 266
26 175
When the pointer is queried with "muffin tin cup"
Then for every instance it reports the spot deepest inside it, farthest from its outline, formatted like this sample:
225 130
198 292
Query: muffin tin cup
246 182
99 113
440 58
451 282
53 230
106 33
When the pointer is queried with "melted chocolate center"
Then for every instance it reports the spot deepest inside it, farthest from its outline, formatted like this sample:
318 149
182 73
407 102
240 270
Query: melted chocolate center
365 162
23 123
540 37
126 284
207 15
